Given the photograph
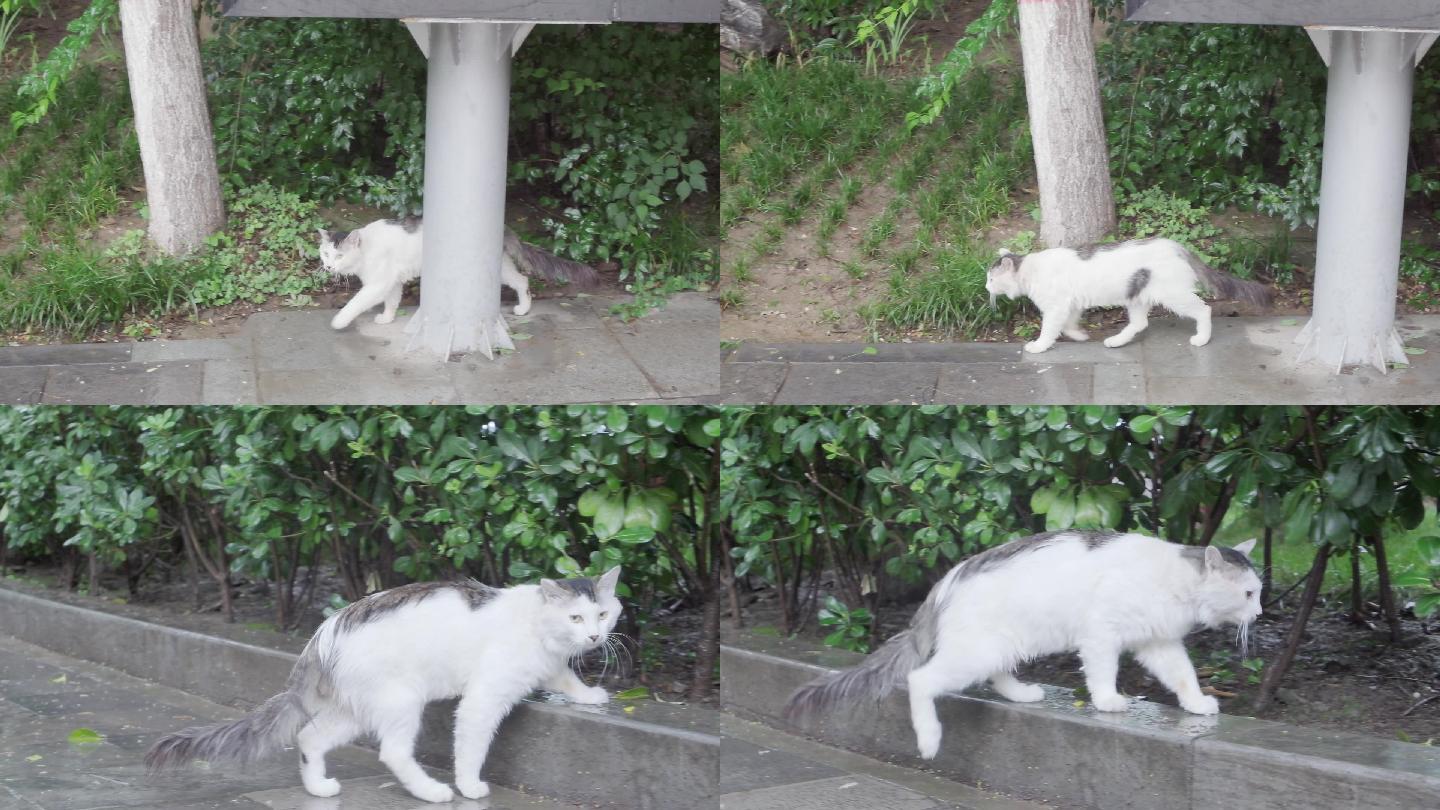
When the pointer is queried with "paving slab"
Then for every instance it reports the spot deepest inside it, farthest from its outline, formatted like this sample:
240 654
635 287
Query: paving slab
858 383
176 383
568 350
1250 360
384 793
22 385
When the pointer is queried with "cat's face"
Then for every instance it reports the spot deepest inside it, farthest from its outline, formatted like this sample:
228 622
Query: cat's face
338 249
1003 277
580 613
1230 588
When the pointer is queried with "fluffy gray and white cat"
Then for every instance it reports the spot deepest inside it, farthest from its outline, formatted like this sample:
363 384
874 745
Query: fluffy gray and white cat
371 668
386 254
1138 275
1099 594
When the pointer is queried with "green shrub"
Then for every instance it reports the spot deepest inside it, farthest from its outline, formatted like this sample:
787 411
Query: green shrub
611 126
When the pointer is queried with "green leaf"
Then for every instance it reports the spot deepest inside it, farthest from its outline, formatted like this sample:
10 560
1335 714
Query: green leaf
85 736
634 693
609 516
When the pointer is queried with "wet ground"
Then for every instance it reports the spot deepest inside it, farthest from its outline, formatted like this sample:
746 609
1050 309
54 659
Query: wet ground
46 700
765 769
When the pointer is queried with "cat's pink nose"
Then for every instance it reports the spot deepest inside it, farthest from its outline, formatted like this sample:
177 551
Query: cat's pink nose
594 638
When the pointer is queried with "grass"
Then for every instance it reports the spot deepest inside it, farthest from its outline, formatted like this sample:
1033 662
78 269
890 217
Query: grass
1291 561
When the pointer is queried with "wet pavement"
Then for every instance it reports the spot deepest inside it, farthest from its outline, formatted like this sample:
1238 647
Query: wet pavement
570 350
1249 360
765 769
46 698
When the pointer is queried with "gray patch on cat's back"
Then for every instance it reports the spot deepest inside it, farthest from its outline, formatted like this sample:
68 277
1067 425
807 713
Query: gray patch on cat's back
1196 556
990 559
408 224
1087 252
380 604
1138 280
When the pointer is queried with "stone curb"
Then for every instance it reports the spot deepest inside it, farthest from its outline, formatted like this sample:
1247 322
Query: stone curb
657 759
1151 756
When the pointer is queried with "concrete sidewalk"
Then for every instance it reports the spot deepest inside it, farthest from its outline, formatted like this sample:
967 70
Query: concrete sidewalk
568 350
1249 360
45 696
765 769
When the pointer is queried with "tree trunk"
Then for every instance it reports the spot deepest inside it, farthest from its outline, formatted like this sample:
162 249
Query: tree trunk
1072 161
1357 593
707 564
1387 593
1275 672
182 186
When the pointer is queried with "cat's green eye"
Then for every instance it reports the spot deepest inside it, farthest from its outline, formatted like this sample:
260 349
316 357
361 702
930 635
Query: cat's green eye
575 618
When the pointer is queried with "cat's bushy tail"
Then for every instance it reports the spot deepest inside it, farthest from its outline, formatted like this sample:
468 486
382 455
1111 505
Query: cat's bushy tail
537 263
1229 287
883 670
262 732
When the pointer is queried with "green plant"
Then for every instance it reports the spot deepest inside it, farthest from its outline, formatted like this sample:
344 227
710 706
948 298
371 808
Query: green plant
41 86
849 629
268 249
1425 581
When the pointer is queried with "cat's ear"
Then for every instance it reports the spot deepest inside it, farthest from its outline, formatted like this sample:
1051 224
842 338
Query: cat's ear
353 240
1213 559
553 591
1005 252
605 585
1246 547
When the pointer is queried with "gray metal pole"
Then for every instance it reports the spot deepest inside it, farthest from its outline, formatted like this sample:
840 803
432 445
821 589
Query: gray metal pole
1362 197
467 117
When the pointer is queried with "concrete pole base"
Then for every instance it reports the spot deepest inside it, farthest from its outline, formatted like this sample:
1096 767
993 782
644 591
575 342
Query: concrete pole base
1362 197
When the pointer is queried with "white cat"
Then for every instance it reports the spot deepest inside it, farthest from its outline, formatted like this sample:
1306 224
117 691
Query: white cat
386 254
372 667
1099 594
1137 275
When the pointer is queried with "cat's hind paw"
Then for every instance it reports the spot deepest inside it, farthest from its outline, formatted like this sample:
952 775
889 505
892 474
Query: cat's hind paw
1078 335
432 792
1110 703
521 309
323 788
1197 340
928 742
1026 693
385 317
339 322
1115 341
472 788
1204 704
1035 347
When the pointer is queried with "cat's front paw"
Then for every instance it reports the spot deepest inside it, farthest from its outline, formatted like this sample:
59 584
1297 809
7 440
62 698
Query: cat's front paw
928 741
1027 693
1035 347
339 322
522 308
1078 336
1197 340
385 317
472 788
590 696
1110 703
1115 342
1204 704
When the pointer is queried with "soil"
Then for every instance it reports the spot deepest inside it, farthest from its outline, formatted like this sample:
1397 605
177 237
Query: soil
1346 675
798 295
667 653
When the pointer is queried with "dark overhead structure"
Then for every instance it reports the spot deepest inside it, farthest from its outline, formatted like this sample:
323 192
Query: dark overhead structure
1371 48
469 45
